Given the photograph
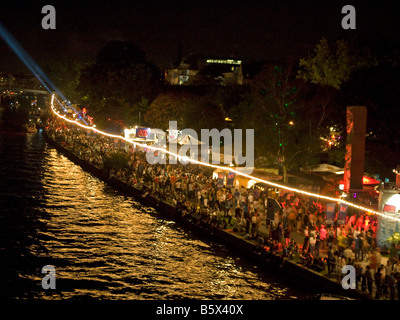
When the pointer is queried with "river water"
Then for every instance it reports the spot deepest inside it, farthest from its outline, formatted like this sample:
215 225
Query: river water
105 245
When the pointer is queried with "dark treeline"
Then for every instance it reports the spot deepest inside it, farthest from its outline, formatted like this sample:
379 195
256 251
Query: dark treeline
290 104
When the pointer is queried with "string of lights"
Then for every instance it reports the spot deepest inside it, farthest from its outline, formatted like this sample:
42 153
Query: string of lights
272 184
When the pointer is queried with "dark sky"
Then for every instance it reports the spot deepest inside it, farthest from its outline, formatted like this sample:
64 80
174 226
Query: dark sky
260 30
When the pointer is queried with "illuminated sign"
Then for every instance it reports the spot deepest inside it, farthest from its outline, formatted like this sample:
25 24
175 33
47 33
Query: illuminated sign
224 61
389 208
142 132
342 214
330 213
231 179
220 180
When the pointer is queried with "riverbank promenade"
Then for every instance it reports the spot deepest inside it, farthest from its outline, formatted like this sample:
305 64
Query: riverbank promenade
193 195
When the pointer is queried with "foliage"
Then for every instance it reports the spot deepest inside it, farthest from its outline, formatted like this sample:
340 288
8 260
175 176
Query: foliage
119 81
139 110
365 76
395 238
169 106
274 108
226 97
65 74
203 115
330 65
189 110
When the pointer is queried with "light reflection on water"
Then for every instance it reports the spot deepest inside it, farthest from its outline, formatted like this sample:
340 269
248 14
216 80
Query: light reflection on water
105 245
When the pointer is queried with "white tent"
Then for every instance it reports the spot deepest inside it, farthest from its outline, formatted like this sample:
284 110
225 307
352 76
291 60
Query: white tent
220 157
323 167
188 139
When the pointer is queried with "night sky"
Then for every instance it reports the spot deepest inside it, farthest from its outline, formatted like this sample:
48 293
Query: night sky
260 30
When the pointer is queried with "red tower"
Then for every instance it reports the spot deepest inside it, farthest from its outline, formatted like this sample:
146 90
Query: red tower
355 148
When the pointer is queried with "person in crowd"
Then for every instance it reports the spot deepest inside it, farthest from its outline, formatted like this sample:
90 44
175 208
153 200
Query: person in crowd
306 239
299 220
359 275
375 259
306 219
317 244
292 218
341 243
306 259
247 218
348 254
279 232
330 260
312 241
358 246
396 267
322 236
331 237
287 209
238 211
378 282
318 264
254 222
369 279
286 235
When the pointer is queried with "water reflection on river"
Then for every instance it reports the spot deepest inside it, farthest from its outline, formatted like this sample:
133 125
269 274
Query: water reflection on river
104 245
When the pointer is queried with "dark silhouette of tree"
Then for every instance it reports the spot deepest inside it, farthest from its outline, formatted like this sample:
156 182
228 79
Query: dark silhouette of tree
274 108
65 72
167 107
116 83
189 110
332 65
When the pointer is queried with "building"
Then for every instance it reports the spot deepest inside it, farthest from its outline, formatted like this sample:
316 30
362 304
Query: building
6 80
205 70
19 81
183 74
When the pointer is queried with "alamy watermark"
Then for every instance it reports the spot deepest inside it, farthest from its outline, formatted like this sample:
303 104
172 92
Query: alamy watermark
49 20
232 153
349 280
49 280
349 20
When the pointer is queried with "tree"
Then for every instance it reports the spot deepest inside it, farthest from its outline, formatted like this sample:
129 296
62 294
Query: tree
203 114
395 238
331 66
326 71
169 106
65 72
115 85
366 76
274 109
226 97
188 109
140 110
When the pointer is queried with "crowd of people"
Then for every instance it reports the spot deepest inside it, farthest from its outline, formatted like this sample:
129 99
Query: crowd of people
190 188
197 196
